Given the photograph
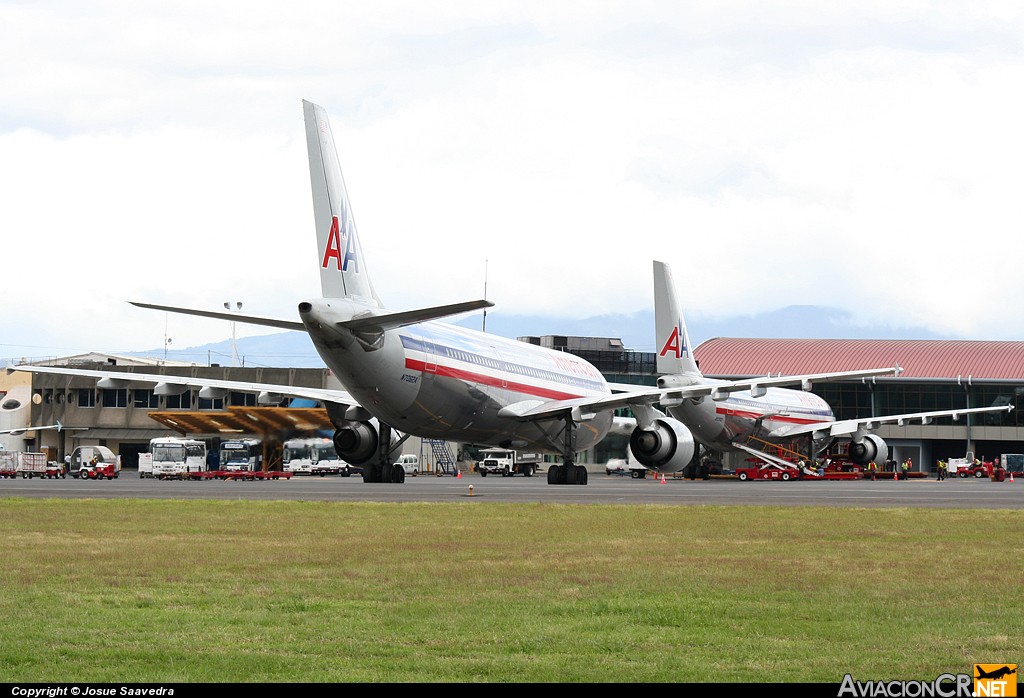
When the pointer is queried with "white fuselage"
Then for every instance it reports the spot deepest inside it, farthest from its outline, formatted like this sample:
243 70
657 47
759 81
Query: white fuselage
437 380
718 424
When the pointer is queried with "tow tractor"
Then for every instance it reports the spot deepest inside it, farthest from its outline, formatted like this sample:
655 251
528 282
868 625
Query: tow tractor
969 467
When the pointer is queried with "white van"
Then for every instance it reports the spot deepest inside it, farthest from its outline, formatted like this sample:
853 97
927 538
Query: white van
410 464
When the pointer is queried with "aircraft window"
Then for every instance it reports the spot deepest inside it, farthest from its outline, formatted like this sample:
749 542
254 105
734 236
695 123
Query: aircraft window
11 404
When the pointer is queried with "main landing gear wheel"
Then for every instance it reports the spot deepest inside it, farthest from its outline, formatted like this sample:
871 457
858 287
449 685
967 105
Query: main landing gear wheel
567 475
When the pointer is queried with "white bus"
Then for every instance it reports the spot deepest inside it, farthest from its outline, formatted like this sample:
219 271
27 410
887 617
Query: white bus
325 458
312 456
241 454
297 456
173 456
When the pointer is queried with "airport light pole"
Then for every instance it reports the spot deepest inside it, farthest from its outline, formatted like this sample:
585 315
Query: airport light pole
234 353
167 340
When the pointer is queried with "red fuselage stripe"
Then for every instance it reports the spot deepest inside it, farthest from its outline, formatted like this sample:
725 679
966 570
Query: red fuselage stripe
493 381
774 418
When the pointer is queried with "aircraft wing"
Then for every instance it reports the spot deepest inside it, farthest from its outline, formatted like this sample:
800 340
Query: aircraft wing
849 427
232 317
58 426
625 395
122 379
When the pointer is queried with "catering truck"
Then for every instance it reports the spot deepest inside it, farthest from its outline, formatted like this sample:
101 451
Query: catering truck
506 462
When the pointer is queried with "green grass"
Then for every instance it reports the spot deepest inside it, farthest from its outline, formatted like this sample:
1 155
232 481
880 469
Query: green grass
215 591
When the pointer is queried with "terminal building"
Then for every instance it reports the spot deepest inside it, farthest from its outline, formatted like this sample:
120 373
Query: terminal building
937 375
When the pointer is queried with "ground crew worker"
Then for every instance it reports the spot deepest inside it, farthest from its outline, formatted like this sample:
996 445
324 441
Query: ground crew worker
872 468
906 468
939 469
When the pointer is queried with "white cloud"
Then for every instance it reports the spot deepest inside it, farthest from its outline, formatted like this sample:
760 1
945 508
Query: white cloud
865 157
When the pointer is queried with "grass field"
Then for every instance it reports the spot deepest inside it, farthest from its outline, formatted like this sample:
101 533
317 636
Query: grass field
216 591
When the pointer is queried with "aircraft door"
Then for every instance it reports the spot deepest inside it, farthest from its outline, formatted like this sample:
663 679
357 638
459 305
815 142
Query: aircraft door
429 356
501 366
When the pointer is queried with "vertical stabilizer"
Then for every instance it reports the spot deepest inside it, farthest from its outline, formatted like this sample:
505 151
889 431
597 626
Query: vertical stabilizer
675 355
343 271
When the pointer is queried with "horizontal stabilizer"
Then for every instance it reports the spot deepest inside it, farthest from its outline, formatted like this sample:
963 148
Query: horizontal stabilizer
389 321
231 317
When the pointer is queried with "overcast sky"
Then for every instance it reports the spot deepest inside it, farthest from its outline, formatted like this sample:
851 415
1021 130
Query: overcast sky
866 156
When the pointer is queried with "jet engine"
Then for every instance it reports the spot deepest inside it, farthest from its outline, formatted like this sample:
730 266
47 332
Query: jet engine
357 442
871 448
666 447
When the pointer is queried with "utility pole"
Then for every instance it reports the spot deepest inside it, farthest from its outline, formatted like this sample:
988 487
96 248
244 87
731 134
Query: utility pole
234 353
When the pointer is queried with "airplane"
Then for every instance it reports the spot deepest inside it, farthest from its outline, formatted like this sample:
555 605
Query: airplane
995 674
746 420
406 373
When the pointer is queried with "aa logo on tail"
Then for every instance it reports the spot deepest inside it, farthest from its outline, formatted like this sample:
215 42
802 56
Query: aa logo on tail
995 680
334 248
675 344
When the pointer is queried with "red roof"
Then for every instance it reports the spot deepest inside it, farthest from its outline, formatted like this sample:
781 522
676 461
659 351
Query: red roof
946 359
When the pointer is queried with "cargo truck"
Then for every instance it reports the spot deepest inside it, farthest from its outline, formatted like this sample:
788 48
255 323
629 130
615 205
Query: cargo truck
506 462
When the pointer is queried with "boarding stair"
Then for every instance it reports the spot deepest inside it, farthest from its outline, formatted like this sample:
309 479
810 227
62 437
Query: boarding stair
780 457
444 461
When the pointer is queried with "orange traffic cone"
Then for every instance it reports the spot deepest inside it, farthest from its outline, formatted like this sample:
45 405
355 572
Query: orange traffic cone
895 475
663 478
458 474
1011 477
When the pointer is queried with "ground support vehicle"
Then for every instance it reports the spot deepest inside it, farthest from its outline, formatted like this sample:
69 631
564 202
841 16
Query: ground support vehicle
94 463
506 462
1012 464
619 466
969 467
29 465
765 471
410 463
99 471
241 475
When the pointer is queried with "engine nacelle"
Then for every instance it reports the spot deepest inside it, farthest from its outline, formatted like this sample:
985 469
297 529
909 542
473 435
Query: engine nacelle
872 448
357 442
667 447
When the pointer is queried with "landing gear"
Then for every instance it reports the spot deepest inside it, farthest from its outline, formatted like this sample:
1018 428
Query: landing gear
370 447
568 473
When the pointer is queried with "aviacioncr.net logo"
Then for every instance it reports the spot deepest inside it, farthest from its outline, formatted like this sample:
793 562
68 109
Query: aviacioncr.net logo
999 680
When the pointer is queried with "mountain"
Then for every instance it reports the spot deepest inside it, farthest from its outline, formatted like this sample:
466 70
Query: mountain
294 349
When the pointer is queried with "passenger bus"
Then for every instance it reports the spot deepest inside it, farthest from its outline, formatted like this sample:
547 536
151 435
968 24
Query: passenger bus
311 456
241 454
325 458
297 456
173 456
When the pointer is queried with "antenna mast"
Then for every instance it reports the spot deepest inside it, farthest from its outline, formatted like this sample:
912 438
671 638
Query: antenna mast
485 295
